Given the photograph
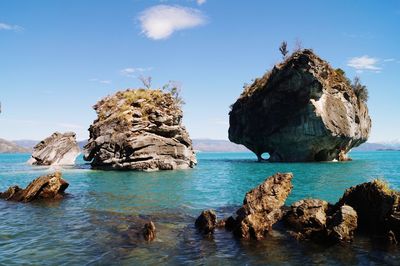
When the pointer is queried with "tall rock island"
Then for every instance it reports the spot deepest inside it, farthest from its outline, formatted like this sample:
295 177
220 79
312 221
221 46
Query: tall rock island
301 110
139 129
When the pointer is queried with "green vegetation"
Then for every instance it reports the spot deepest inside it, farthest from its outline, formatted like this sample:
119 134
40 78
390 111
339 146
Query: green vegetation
383 185
360 90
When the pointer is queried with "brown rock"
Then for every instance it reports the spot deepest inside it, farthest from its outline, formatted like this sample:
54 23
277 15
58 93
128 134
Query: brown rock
262 207
206 222
149 231
343 224
51 186
307 218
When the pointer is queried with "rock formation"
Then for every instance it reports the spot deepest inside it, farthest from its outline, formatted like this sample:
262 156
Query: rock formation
206 222
50 186
58 149
308 218
140 130
343 224
377 207
262 207
149 231
302 110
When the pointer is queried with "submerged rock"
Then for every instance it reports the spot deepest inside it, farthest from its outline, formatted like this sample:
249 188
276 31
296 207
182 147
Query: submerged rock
343 224
262 207
50 186
206 222
302 110
308 218
139 130
58 149
149 231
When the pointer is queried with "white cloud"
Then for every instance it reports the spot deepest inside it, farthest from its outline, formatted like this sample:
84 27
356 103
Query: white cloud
102 81
160 22
200 2
130 71
389 60
4 26
364 63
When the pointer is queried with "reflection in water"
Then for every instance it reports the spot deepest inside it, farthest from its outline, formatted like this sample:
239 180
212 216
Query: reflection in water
99 221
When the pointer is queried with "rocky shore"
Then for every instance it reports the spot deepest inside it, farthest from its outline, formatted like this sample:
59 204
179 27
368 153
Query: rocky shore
370 209
139 130
301 110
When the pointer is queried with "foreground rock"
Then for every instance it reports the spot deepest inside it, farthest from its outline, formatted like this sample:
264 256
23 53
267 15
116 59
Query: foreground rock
307 218
51 186
343 224
58 149
302 110
262 207
377 207
139 130
206 222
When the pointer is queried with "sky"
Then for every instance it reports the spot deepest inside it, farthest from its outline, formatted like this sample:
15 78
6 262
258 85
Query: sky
58 58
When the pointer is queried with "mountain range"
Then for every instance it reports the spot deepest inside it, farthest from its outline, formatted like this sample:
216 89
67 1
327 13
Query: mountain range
200 145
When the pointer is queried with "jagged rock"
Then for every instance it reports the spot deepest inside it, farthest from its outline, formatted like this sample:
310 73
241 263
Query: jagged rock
206 222
139 130
342 225
307 218
302 110
377 207
58 149
149 231
262 207
50 186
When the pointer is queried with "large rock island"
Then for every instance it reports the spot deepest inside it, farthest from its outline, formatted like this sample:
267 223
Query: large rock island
139 130
302 110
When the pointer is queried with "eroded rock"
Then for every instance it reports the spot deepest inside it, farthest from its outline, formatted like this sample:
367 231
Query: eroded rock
139 130
149 231
262 207
307 218
206 222
58 149
302 110
343 224
50 186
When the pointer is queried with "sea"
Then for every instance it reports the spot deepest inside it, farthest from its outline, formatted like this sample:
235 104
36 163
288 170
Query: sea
95 223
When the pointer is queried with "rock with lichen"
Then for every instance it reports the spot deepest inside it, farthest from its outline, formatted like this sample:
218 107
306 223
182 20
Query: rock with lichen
139 129
302 110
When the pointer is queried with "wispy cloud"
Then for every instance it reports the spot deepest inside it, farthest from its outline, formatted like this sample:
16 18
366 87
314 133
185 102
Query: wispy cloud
5 26
364 63
70 126
389 60
131 71
102 81
161 21
200 2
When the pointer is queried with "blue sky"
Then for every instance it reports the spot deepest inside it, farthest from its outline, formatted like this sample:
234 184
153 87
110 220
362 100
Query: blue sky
57 58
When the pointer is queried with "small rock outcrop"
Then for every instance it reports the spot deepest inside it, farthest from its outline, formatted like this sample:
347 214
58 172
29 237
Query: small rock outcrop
302 110
50 186
58 149
377 207
149 231
308 218
343 224
139 130
206 222
262 207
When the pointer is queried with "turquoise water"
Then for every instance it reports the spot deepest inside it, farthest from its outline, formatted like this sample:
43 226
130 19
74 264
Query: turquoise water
94 224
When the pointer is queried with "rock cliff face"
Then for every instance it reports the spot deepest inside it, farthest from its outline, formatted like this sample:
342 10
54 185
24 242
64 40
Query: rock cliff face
58 149
139 130
302 110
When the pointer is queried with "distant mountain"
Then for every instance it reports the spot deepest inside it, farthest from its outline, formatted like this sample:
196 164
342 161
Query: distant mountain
212 145
11 147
